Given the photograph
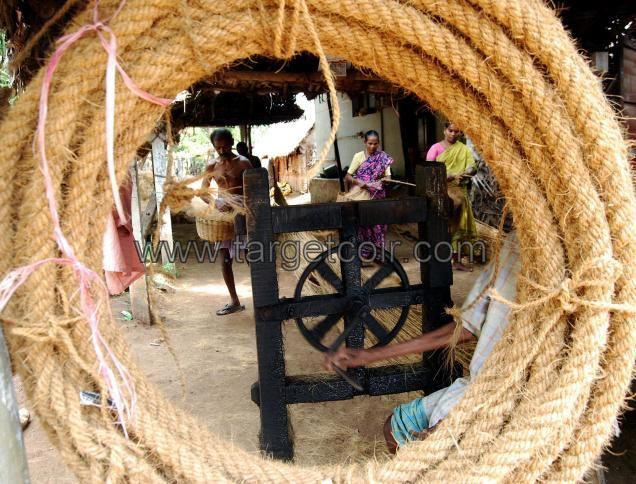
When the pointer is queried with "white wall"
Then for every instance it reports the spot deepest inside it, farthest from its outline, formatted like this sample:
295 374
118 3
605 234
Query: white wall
348 142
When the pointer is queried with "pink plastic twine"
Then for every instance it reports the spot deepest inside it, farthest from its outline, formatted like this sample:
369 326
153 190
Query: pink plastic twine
107 360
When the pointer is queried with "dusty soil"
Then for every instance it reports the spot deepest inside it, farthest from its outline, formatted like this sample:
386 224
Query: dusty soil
218 358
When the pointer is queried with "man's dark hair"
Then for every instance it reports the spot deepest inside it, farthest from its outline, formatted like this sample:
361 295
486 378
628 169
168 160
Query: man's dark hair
241 145
221 133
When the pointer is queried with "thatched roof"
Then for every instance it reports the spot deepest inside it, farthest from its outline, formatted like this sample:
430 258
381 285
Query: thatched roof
209 108
260 90
39 20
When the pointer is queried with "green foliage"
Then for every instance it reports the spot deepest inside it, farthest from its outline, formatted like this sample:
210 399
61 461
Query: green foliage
6 79
195 149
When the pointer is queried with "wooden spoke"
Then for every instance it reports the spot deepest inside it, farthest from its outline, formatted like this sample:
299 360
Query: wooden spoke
378 277
375 327
321 329
327 273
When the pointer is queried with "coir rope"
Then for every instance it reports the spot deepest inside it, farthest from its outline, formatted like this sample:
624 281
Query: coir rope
546 401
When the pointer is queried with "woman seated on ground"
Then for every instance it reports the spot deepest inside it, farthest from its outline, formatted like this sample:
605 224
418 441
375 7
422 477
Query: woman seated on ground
460 166
367 170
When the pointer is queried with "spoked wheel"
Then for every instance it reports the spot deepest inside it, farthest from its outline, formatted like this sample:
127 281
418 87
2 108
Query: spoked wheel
359 305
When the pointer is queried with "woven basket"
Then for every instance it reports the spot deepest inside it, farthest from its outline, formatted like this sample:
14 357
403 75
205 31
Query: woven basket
214 230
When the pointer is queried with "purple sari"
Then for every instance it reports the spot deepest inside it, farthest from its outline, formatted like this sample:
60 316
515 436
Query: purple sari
371 170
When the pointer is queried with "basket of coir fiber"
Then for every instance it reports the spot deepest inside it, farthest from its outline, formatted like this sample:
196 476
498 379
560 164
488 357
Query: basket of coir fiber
212 224
215 230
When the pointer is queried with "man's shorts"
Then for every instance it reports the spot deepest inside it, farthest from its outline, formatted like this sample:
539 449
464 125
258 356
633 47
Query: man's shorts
234 245
408 418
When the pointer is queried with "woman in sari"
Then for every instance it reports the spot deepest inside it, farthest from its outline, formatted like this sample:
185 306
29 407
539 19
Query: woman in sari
460 166
367 170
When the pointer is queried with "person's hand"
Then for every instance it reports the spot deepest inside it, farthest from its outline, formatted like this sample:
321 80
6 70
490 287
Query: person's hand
450 178
375 185
346 358
423 434
359 183
221 206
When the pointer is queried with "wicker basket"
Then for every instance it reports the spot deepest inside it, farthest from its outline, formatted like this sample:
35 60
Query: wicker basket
214 230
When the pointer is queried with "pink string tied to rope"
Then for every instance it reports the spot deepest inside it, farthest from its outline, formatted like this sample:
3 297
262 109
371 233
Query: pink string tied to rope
110 368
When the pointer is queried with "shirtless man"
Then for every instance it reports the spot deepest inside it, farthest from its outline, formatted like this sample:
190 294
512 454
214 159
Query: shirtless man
227 170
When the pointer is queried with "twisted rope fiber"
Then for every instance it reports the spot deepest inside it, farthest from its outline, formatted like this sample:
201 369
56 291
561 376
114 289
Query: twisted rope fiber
463 59
538 27
153 47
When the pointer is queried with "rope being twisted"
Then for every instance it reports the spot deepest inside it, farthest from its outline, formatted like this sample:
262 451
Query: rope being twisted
545 402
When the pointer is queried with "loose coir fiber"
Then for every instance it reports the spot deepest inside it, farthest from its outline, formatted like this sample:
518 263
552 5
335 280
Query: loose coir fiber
545 403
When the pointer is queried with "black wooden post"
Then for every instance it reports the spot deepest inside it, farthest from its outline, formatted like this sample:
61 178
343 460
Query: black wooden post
409 123
335 147
435 254
350 269
274 437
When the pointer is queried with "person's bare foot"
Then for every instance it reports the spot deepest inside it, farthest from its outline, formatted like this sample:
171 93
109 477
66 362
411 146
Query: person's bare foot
458 266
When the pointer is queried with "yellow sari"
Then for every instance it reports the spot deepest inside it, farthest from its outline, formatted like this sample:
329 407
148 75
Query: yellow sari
458 159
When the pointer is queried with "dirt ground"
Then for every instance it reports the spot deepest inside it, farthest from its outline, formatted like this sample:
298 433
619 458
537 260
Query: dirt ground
218 358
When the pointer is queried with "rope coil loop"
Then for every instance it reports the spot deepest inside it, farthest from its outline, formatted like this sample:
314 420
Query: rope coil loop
285 46
507 68
566 293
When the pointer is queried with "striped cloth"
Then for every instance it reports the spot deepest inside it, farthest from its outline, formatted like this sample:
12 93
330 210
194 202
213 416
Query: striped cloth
487 320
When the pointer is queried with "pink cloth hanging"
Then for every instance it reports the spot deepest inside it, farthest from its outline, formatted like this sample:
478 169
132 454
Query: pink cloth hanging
121 260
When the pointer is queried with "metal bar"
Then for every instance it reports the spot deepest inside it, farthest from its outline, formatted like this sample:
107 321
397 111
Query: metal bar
13 461
351 381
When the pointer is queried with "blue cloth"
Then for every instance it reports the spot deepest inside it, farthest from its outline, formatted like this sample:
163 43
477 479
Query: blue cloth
407 418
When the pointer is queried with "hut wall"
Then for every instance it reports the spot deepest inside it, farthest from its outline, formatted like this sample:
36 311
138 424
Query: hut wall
348 141
292 169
